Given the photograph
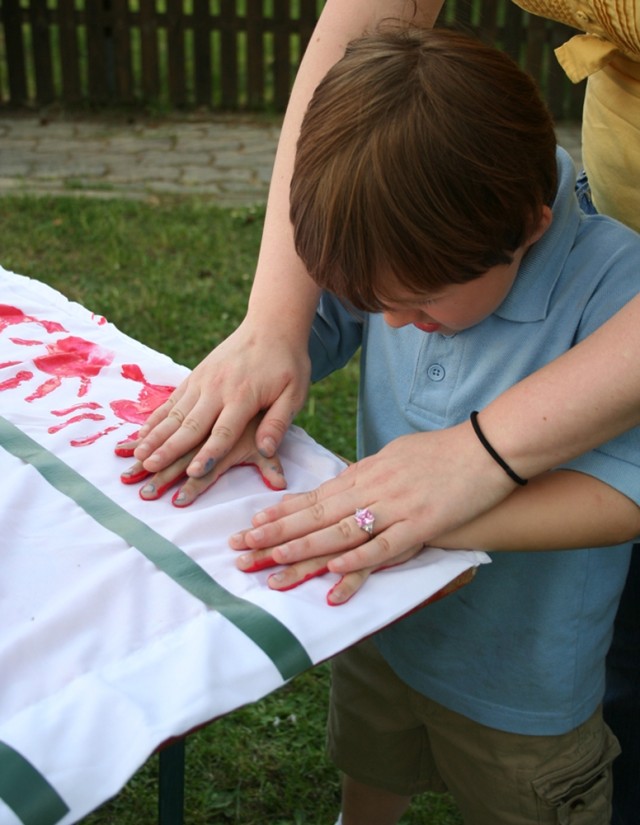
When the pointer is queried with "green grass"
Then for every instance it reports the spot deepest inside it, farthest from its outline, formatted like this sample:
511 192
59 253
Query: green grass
176 275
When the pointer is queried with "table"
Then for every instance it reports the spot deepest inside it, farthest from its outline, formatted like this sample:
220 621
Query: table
104 598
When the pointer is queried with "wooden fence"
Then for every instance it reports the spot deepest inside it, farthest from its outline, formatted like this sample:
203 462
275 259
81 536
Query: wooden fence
215 54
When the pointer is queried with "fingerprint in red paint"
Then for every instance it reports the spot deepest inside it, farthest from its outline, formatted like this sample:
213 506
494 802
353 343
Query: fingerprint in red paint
90 439
87 405
19 378
74 420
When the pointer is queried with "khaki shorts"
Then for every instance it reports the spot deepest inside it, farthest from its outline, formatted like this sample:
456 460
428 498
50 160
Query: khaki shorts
384 734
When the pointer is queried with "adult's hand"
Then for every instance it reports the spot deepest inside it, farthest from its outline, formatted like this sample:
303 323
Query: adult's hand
242 453
418 487
251 371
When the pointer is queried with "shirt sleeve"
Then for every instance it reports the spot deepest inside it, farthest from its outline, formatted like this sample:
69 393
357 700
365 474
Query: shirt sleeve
335 337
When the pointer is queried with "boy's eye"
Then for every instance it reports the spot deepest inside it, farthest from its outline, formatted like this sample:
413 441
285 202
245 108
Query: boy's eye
426 302
413 306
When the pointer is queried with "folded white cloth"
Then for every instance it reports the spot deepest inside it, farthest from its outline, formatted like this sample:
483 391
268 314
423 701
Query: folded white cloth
124 622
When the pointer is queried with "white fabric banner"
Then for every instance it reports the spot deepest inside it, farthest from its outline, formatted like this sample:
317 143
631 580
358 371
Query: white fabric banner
124 622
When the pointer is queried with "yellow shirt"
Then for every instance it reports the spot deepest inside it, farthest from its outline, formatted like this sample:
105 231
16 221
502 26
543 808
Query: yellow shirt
608 54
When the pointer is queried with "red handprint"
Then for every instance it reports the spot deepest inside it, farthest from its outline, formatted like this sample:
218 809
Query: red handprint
75 357
127 410
70 357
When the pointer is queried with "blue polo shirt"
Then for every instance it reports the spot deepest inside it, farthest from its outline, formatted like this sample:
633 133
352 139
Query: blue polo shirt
522 648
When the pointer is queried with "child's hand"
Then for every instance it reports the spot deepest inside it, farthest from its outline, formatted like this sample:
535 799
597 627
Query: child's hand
243 453
296 574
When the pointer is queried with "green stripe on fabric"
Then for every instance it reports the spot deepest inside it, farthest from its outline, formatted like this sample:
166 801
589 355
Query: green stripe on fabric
26 791
275 639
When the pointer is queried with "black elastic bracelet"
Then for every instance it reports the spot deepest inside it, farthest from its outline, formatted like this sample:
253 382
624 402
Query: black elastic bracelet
494 455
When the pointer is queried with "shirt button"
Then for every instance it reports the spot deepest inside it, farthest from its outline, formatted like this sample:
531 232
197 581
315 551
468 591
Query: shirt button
436 372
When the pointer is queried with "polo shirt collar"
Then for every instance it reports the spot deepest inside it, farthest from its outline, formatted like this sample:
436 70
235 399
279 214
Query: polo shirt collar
530 295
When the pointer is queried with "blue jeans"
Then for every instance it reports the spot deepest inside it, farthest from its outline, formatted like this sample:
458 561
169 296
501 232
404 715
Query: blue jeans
622 698
583 191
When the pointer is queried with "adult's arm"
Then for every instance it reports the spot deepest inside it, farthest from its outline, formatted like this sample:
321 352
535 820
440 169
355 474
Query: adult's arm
424 485
264 365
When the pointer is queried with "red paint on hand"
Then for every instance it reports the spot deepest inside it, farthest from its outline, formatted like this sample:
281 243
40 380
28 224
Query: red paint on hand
320 572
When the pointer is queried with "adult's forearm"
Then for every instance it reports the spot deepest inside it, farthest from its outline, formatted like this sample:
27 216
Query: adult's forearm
577 402
283 292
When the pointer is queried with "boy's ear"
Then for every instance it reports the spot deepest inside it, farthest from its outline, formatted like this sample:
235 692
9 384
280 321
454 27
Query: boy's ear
543 224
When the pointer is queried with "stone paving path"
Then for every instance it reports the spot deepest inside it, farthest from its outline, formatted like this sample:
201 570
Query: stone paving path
224 158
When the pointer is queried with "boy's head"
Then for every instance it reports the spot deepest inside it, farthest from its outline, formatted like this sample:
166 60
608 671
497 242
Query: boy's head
425 159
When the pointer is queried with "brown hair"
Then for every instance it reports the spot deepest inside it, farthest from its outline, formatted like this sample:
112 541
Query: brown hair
425 154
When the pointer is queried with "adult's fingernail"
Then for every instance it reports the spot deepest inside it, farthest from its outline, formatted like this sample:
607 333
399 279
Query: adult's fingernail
197 469
337 565
267 447
284 553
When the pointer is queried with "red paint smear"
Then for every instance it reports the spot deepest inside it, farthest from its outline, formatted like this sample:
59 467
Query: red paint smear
9 364
265 480
134 478
74 420
12 383
160 491
10 315
308 578
99 319
85 442
71 357
262 564
88 405
126 452
26 342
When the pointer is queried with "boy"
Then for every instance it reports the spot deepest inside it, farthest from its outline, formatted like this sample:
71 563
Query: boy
429 203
